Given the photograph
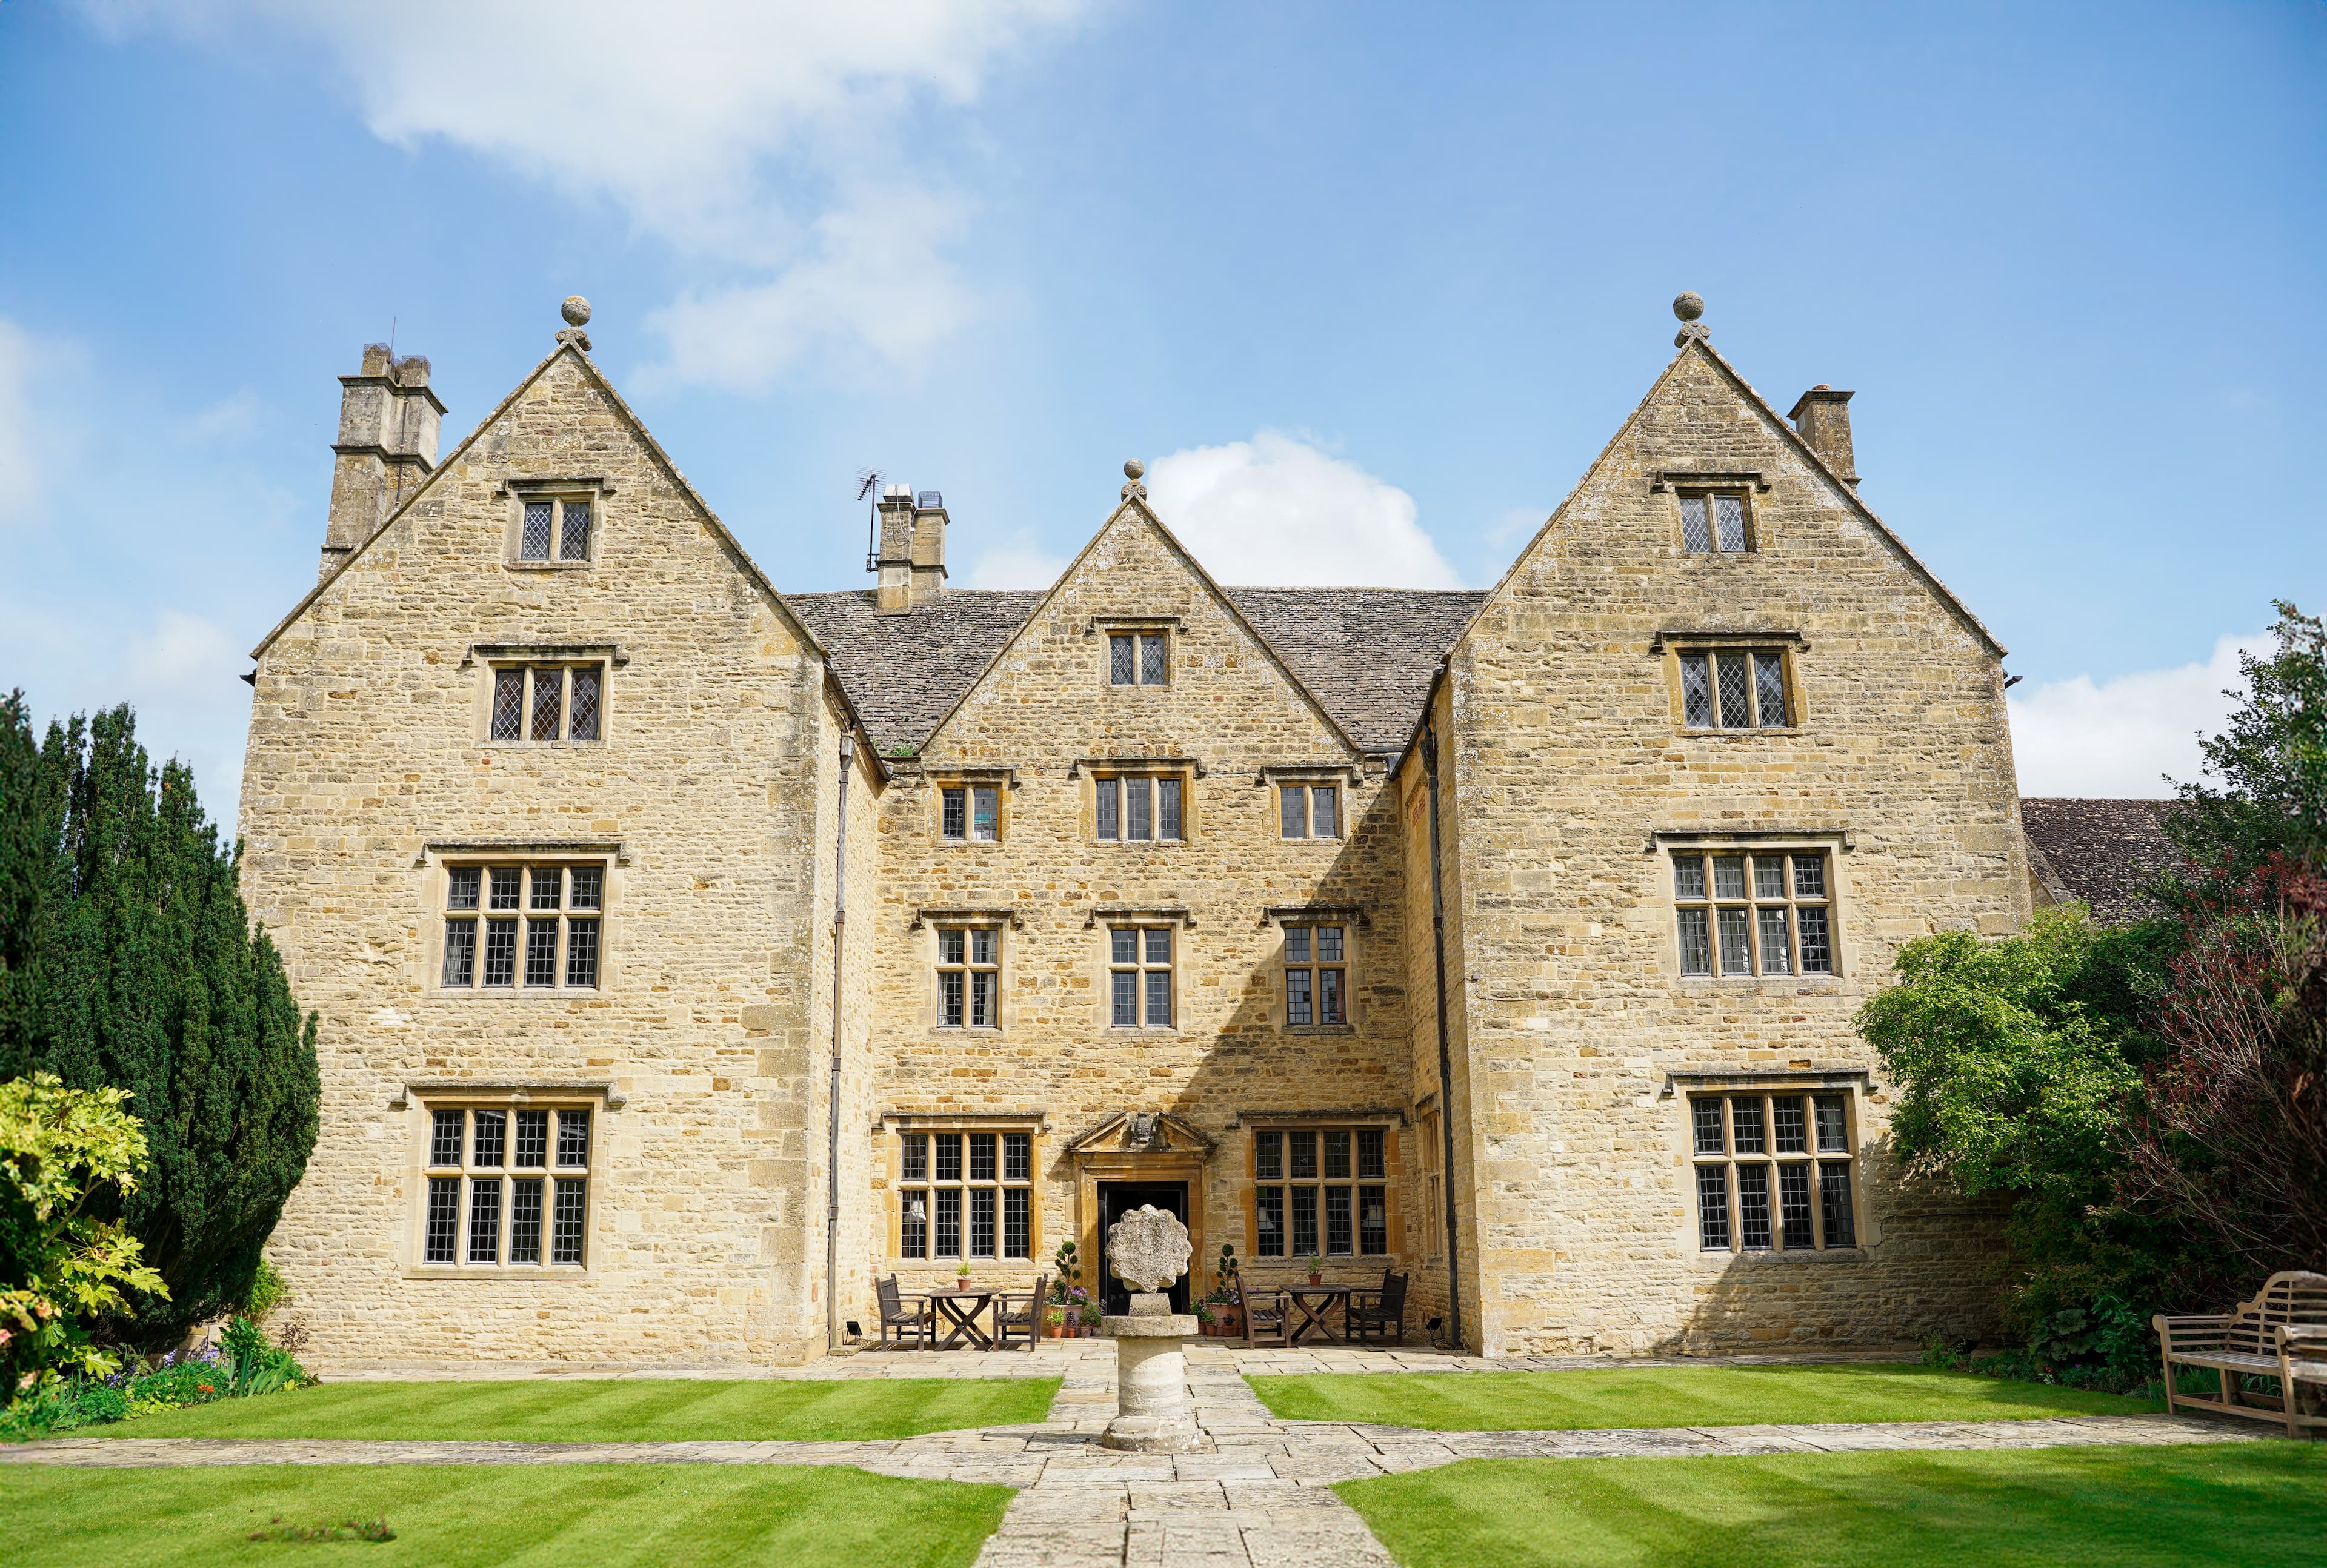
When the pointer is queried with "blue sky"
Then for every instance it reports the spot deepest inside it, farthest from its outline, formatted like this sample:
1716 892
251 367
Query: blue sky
1385 276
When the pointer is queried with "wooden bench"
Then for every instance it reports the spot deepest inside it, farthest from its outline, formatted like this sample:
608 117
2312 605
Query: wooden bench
2282 1333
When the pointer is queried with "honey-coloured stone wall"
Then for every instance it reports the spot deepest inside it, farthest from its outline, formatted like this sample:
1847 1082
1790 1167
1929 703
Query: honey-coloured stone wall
709 799
1573 780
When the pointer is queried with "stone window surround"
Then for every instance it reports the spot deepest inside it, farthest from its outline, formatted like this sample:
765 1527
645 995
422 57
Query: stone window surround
1747 485
890 1127
1834 842
1102 920
1002 781
488 657
434 886
932 924
1390 1122
1102 627
1669 643
1352 919
420 1100
1342 776
593 487
1093 771
1858 1089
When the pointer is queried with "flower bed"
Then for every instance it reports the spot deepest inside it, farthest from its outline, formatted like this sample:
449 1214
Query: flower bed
242 1365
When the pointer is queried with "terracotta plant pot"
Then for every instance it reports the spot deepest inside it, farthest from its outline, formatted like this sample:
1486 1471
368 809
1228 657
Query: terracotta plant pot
1231 1320
1316 1279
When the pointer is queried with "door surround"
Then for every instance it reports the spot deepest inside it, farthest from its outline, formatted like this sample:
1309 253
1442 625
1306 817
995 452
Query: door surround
1138 1147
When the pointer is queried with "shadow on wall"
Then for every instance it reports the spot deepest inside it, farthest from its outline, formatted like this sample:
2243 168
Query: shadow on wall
1935 1272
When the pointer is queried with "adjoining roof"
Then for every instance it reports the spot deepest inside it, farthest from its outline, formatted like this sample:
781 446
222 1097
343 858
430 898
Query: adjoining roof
1365 654
2102 853
906 672
1368 654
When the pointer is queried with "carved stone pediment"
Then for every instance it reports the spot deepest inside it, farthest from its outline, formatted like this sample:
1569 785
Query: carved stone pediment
1141 1132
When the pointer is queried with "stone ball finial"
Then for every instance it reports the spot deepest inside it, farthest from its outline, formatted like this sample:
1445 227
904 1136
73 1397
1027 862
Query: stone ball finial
1134 469
575 310
1688 305
1148 1248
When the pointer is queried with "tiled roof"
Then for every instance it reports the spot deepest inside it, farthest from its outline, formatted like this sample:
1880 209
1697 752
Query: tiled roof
2104 854
905 672
1366 654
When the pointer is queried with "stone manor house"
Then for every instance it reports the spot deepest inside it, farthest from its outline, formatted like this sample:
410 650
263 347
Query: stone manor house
692 953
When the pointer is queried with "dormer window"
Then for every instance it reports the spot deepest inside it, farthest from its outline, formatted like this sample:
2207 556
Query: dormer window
1139 659
1713 522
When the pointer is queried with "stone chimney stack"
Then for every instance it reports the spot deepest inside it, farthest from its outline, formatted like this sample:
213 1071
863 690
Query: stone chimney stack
1822 417
388 421
911 559
928 545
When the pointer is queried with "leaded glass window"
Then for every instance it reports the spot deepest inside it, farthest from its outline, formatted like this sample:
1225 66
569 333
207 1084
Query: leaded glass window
1781 925
1139 972
533 538
574 534
1139 808
482 1211
1308 811
560 929
1139 659
969 976
1316 981
953 1206
1321 1191
546 702
1735 689
1743 1146
1710 522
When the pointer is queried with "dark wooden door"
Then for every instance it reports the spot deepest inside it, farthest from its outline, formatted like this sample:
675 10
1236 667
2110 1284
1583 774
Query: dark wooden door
1117 1199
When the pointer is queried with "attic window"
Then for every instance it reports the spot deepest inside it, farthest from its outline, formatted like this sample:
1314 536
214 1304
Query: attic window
1714 522
556 523
1139 659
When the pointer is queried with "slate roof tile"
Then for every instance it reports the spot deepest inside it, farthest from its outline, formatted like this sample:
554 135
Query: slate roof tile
1365 654
2104 854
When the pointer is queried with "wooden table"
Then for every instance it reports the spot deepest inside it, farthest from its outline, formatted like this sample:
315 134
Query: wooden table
962 1310
1312 1302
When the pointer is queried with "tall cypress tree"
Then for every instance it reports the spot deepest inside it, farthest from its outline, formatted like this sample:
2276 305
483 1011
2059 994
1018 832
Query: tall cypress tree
146 973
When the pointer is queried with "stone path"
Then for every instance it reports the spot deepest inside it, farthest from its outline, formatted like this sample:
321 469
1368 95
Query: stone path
1262 1498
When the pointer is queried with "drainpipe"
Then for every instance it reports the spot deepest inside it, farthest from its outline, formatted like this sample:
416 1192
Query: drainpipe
1446 1054
832 1152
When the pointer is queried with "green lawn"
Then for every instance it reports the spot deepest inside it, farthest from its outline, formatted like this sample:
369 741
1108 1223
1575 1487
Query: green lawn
658 1410
1671 1397
2127 1507
455 1516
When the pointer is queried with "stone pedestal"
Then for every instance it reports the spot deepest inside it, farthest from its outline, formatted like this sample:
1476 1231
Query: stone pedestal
1151 1379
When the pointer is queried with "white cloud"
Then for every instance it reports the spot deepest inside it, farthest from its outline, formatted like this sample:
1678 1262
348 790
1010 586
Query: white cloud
877 277
1277 511
1017 562
745 132
2123 736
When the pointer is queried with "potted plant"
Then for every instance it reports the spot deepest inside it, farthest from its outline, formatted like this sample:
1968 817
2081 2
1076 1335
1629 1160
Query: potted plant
1316 1266
1090 1316
1208 1322
961 1276
1224 1296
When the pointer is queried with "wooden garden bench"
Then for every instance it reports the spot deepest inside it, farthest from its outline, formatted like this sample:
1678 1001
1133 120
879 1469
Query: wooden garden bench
2282 1333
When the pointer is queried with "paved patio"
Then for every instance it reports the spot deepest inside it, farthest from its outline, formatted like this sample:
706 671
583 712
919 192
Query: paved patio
1261 1497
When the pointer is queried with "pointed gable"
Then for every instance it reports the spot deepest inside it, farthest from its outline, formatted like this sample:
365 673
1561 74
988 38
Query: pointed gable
1226 682
562 422
1703 423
